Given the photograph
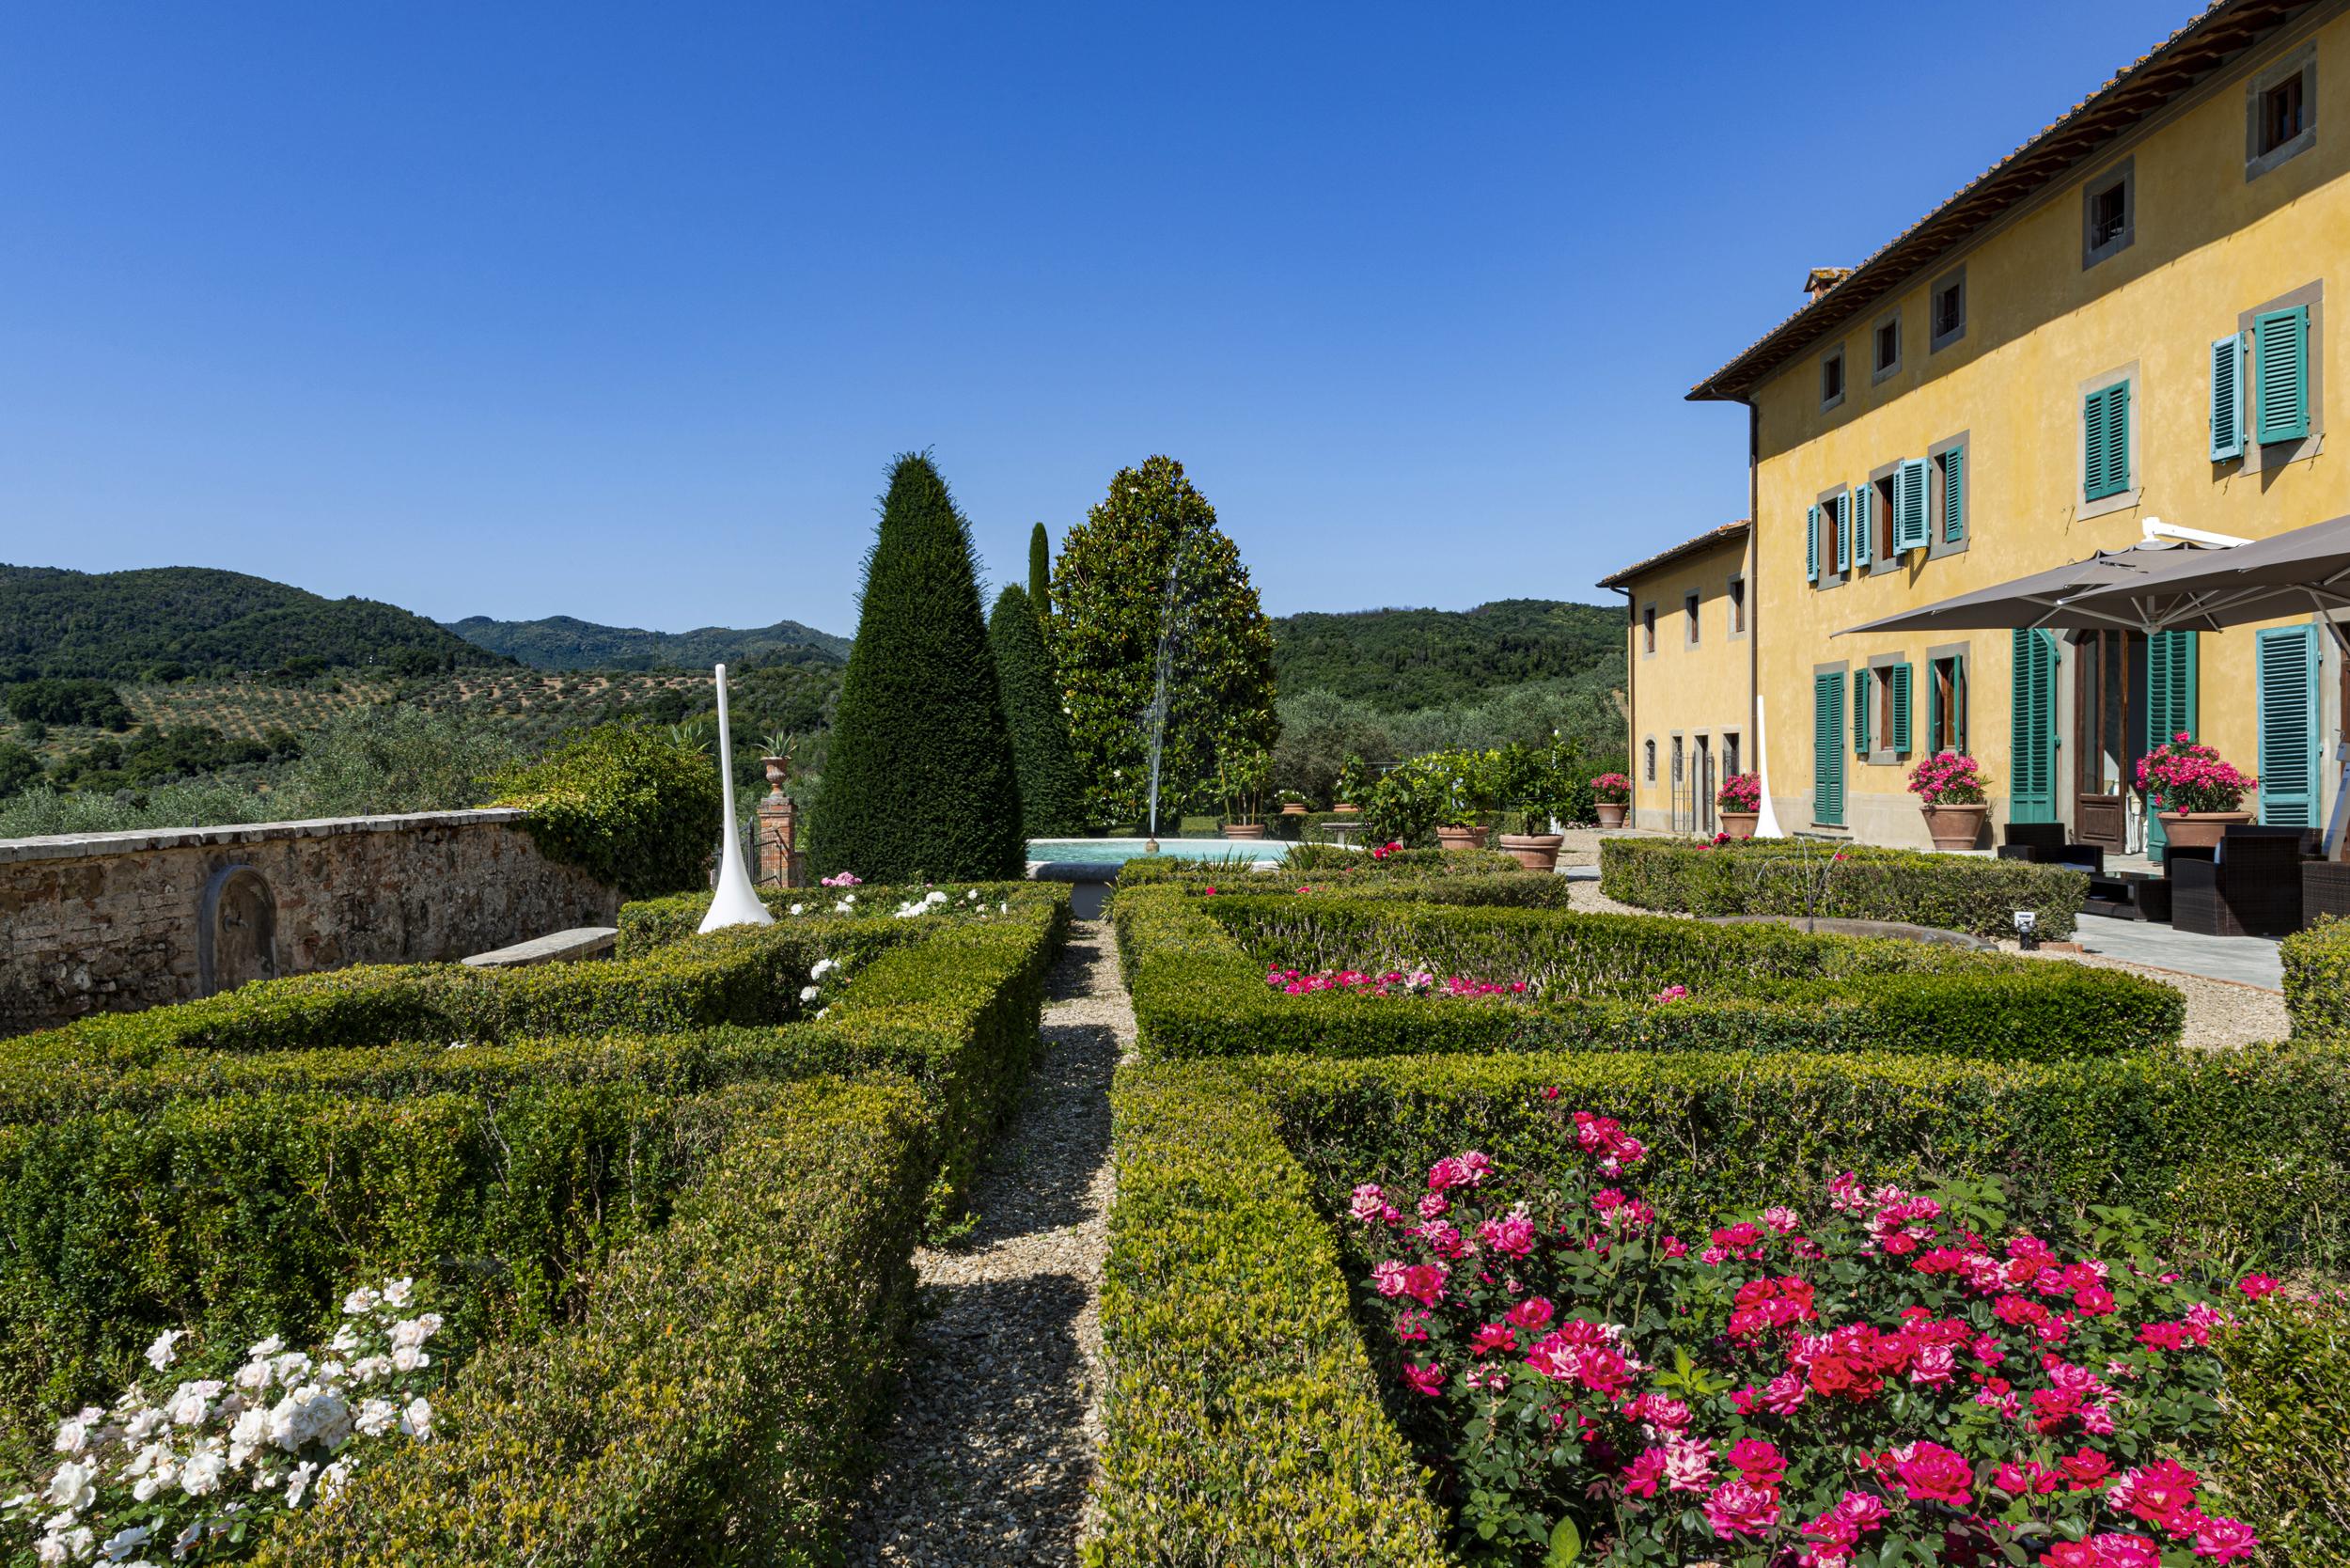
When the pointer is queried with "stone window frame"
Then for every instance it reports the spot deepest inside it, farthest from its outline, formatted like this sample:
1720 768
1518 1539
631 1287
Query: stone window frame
1964 440
1648 760
1692 606
1680 758
1880 712
2259 458
1843 377
1734 604
1831 576
1936 340
1729 739
2302 62
1881 520
2120 500
2124 174
1881 374
1647 630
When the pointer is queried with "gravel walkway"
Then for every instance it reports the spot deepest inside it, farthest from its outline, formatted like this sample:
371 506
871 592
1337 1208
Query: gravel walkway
991 1452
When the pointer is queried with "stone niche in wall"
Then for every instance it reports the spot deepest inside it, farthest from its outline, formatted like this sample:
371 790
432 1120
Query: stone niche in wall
117 922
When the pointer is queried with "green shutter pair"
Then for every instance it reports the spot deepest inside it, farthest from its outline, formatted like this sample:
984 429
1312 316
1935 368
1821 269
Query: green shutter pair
1936 741
1896 680
2279 383
1827 748
2031 770
2105 442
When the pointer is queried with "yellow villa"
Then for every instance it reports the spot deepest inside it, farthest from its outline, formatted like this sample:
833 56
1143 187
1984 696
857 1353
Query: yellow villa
1689 676
2124 332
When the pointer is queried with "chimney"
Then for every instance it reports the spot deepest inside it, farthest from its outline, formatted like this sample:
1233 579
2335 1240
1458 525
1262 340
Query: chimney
1818 280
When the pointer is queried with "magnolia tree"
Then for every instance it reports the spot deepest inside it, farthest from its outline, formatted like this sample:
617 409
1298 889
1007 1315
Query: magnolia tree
1149 563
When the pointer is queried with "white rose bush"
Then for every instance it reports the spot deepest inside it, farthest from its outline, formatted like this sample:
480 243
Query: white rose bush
198 1473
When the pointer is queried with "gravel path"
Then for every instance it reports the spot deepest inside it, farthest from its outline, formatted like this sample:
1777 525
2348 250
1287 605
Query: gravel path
990 1451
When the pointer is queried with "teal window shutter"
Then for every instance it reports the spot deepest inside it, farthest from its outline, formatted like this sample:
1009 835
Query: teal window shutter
1954 495
1958 698
1843 531
1909 505
1827 748
2285 679
1897 709
1860 713
1864 496
2280 374
2170 660
1812 544
2032 771
2105 442
2227 397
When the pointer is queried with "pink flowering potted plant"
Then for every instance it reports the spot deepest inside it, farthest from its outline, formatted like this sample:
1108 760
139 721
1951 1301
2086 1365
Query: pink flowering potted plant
1950 790
2197 793
1740 802
1611 796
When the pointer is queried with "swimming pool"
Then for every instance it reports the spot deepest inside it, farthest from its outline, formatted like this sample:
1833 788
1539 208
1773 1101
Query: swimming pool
1110 851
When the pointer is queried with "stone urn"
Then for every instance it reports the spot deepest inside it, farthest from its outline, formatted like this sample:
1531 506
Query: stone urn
1952 826
2199 829
1740 824
778 769
1341 809
1243 830
1536 852
1611 811
1462 837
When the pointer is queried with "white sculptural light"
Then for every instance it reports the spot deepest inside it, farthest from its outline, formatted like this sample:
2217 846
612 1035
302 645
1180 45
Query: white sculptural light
736 901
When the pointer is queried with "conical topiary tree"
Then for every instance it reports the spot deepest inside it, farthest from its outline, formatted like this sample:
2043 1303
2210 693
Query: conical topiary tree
1052 795
1040 573
919 778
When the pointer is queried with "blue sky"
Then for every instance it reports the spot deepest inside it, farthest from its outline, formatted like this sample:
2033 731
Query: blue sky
620 311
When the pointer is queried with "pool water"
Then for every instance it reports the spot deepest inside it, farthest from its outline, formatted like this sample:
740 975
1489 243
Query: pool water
1101 852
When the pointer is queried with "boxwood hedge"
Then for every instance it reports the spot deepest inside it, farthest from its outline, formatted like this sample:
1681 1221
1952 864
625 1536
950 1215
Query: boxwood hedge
649 923
2287 1401
1955 893
2317 981
1197 968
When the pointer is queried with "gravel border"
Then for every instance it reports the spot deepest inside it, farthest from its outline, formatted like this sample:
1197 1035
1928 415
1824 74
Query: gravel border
990 1454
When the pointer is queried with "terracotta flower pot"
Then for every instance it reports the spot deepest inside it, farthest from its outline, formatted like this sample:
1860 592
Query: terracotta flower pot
1462 837
1341 809
1955 827
2199 829
1294 809
1740 824
1536 852
1611 812
1243 830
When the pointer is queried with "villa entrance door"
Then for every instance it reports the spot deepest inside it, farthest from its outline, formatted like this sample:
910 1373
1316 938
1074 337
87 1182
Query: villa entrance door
2108 735
1702 806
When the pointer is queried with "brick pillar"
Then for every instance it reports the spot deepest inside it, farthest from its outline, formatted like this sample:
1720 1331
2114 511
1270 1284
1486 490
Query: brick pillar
779 864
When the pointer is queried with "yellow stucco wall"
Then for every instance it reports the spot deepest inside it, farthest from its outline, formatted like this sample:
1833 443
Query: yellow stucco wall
2209 245
1698 690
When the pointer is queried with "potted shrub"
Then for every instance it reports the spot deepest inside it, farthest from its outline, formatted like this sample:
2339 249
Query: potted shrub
1465 782
1354 788
1538 787
1611 796
1241 775
1292 804
1948 787
2197 793
1740 803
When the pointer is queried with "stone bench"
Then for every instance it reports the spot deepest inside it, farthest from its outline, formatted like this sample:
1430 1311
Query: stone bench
562 946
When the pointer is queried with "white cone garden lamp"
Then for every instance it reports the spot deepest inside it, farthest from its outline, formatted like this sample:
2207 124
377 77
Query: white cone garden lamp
736 901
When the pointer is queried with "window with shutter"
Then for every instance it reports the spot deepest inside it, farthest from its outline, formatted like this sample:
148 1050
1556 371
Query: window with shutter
1864 496
2105 442
1954 495
1827 748
1946 705
2227 397
1860 714
1896 678
2031 770
2280 374
2285 661
2170 660
1812 544
1909 505
1842 508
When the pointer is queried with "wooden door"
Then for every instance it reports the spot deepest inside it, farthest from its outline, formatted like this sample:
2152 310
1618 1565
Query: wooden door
2108 735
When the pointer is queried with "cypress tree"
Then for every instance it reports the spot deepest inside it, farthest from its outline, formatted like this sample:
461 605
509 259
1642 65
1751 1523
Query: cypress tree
1040 573
1052 795
919 781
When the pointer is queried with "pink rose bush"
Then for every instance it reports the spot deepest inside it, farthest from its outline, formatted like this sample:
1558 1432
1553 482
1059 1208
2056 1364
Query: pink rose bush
2182 774
1895 1375
1611 788
1947 778
1390 983
198 1473
1740 792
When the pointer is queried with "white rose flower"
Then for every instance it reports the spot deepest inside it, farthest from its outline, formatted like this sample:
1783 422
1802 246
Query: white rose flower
152 1456
51 1548
841 908
142 1426
368 1369
192 1402
292 1366
73 1433
809 993
298 1481
409 1358
81 1541
145 1488
397 1292
270 1346
200 1476
798 908
821 968
70 1487
123 1542
417 1420
935 896
331 1478
160 1354
250 1432
254 1375
310 1413
376 1416
360 1300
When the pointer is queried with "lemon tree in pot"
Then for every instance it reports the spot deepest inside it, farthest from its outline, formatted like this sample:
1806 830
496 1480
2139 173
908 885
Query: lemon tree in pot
1466 786
1353 787
1542 786
1950 790
1242 773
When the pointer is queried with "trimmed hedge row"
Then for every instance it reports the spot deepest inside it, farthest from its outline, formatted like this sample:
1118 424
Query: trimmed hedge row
1199 990
243 1216
1954 892
715 1402
647 924
2287 1367
2317 981
739 976
1240 1408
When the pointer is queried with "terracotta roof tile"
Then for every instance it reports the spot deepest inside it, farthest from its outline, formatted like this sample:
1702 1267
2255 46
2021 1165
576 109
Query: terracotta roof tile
1722 535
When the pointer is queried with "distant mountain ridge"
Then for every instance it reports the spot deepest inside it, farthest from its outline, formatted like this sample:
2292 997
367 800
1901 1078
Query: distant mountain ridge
123 625
565 642
1405 659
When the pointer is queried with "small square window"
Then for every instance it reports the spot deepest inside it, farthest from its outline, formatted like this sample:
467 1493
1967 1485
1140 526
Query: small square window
1737 604
1832 379
1689 614
1946 311
1679 771
2281 114
1888 345
1648 629
1649 761
2109 216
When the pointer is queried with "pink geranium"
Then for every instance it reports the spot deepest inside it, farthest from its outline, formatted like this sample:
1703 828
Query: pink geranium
1611 788
1947 778
2183 775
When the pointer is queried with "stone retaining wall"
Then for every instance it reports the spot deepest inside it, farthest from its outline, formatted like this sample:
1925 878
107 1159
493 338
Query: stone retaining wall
117 922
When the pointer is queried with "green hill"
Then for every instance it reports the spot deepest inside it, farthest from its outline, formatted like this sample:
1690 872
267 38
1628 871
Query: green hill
561 642
1401 660
128 625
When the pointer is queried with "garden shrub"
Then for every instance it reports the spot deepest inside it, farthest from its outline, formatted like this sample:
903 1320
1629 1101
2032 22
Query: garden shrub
2286 1403
1240 1408
1954 892
1198 968
714 1402
1052 793
627 805
918 782
2317 980
648 923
